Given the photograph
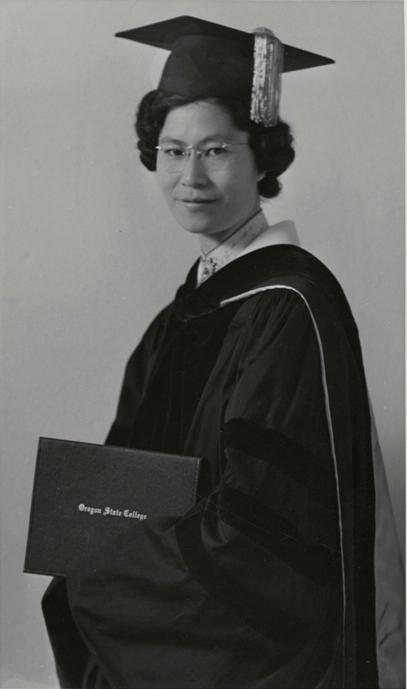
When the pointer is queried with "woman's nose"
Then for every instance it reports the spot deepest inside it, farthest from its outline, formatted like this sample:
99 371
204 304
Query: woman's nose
194 172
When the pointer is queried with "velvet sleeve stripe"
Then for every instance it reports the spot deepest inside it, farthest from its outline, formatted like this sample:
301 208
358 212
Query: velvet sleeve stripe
284 628
312 560
284 454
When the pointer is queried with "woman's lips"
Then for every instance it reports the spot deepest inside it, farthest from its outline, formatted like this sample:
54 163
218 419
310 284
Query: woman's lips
196 203
198 200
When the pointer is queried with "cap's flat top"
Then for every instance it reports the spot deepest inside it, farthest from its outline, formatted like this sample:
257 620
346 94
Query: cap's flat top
165 35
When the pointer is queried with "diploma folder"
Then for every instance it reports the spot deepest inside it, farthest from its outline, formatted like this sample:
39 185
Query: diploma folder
86 494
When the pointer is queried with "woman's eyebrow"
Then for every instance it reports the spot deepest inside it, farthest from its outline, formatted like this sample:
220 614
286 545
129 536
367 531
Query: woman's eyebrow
224 138
216 137
170 139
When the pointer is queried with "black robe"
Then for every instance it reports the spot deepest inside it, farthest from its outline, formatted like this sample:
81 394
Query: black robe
269 580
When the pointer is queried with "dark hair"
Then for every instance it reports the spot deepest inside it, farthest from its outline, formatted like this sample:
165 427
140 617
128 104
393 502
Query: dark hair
272 146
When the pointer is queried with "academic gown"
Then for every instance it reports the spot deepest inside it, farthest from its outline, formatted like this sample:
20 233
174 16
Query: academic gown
269 581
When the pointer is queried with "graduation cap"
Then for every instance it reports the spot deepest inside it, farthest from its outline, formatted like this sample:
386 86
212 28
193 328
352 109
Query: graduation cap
212 60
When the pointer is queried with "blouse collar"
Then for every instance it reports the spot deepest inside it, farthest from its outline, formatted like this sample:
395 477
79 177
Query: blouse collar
231 247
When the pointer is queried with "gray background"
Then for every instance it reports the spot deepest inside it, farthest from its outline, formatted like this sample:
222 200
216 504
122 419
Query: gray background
91 253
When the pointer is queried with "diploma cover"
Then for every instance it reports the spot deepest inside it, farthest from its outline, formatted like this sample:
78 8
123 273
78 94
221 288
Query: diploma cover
84 494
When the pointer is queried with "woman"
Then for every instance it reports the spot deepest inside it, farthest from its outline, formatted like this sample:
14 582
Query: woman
270 581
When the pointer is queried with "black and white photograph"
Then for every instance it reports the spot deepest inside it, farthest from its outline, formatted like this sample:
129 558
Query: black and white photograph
202 344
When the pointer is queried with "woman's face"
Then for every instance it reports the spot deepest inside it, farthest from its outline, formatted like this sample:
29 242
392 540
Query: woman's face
203 200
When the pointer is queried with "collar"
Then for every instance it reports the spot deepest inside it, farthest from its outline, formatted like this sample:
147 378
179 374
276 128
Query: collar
283 232
248 271
231 247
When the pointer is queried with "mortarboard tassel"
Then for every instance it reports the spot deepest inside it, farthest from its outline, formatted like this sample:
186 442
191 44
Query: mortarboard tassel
267 68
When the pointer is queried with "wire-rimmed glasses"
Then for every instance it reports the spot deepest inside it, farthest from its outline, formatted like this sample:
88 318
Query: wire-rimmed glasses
213 156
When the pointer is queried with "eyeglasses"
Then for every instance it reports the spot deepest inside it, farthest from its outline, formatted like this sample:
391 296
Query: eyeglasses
214 157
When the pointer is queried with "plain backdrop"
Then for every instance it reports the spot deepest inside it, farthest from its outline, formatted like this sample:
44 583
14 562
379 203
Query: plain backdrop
91 254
